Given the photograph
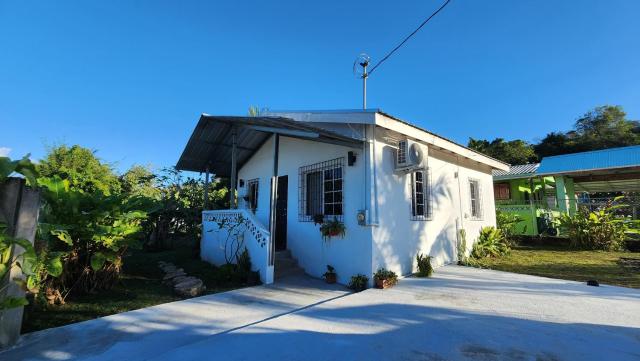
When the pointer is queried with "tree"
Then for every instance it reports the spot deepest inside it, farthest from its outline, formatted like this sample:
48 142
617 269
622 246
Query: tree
81 168
139 181
513 152
601 128
255 111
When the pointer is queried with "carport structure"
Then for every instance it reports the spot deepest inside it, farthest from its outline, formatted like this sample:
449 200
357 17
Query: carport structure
563 183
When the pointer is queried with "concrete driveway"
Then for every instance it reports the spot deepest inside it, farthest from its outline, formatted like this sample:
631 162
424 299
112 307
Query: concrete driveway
460 314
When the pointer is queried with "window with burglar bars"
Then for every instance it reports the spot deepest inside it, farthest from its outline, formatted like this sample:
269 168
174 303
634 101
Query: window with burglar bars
421 195
252 193
320 190
475 199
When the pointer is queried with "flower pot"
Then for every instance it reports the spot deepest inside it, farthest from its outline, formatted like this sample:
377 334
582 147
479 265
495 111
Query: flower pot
330 278
385 283
333 233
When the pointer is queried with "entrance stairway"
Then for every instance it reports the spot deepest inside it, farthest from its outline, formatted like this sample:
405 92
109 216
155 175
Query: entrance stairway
286 266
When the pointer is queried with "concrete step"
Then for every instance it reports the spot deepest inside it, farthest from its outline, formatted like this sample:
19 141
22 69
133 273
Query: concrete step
286 254
286 263
287 272
286 266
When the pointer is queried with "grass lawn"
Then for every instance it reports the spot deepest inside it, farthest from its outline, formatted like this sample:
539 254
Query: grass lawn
140 286
565 263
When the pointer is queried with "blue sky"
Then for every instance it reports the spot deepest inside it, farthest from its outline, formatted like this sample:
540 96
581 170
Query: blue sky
130 78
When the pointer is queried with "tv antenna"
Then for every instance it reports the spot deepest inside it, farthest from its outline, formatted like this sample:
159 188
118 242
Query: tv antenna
363 59
360 71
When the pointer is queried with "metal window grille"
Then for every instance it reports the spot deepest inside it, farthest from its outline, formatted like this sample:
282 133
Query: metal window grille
475 199
320 190
421 205
252 193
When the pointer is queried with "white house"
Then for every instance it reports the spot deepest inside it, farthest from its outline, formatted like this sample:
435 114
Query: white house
399 190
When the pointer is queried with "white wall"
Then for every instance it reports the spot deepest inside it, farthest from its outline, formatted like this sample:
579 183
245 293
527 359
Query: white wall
350 255
398 239
218 247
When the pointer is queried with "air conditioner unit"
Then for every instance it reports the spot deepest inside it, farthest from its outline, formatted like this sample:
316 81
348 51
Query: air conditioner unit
410 155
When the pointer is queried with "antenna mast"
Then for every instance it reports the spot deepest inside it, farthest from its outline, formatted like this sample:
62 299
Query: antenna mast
360 71
364 65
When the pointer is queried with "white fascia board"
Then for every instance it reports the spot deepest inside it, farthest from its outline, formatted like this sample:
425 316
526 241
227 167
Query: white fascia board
435 140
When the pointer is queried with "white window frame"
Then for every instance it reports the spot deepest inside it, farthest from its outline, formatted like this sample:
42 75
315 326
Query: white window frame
479 212
322 167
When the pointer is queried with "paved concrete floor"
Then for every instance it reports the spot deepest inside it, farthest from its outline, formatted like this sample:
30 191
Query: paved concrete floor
460 314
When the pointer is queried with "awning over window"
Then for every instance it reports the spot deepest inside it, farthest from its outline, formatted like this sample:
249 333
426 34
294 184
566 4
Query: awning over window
210 144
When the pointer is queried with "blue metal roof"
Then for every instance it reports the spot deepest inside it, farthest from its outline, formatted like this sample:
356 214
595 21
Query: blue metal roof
594 160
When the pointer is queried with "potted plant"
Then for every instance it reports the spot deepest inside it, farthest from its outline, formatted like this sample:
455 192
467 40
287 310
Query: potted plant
332 228
330 276
358 282
385 278
424 265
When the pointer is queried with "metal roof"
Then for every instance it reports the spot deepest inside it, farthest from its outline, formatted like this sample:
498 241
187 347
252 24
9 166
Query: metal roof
355 116
516 171
210 143
613 158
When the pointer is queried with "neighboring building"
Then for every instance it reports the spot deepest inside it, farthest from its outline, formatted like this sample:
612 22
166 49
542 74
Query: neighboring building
540 192
399 190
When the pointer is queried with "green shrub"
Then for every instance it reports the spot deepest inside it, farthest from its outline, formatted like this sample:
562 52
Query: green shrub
506 223
358 282
385 274
490 243
462 247
243 263
92 230
601 229
424 265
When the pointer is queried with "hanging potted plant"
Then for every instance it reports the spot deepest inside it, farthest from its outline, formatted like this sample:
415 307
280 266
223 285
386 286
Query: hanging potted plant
330 276
332 228
385 278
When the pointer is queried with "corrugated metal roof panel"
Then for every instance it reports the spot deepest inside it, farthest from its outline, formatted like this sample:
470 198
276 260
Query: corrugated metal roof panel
516 171
210 144
598 159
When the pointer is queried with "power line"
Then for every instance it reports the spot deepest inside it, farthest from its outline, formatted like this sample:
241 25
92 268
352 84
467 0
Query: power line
408 37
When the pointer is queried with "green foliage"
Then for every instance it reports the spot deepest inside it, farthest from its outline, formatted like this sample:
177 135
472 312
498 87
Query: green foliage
490 243
358 282
243 261
462 247
92 230
512 152
81 168
385 274
22 166
333 228
33 266
507 223
255 111
330 271
139 181
181 206
424 265
601 128
601 229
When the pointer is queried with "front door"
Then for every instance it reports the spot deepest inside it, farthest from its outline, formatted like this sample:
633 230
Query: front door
281 213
